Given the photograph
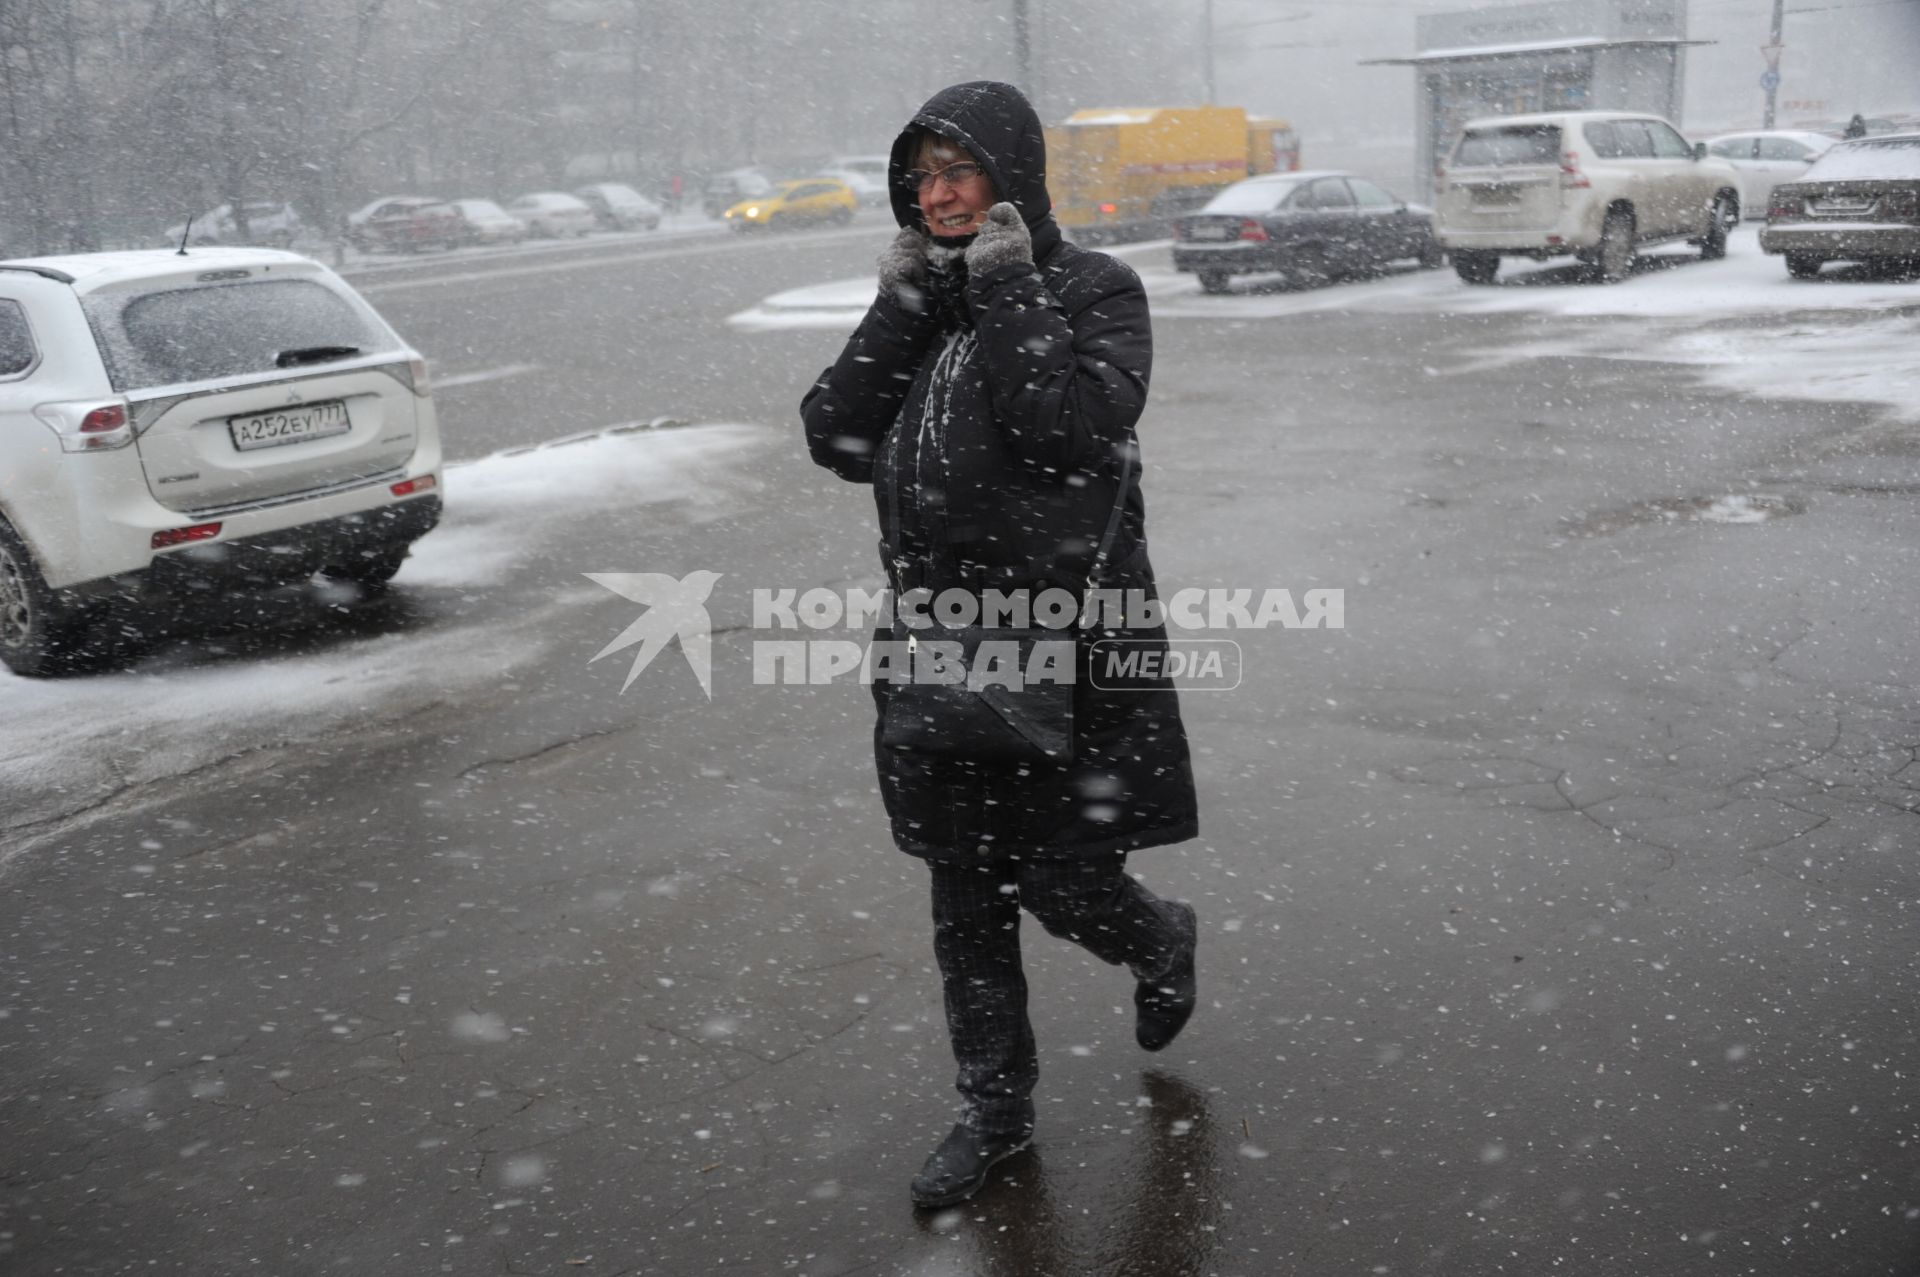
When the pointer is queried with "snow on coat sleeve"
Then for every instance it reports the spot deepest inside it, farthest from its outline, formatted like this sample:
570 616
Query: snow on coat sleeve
849 410
1069 380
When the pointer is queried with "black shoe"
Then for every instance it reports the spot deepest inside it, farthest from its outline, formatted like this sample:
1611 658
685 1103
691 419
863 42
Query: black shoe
959 1166
1162 1007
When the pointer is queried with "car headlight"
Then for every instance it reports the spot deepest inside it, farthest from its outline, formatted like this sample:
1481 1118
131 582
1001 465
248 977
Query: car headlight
754 211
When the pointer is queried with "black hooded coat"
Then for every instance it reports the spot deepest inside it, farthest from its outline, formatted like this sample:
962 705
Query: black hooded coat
1039 374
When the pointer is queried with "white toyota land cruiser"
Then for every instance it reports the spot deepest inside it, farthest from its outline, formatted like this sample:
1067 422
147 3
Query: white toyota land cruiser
1596 185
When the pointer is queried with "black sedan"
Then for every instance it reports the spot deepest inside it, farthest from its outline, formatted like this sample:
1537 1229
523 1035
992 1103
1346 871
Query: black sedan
1860 202
1312 226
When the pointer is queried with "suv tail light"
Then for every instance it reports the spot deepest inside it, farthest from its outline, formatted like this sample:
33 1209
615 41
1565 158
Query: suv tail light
1571 178
167 538
94 426
1904 204
414 487
1439 179
1785 204
412 375
1253 231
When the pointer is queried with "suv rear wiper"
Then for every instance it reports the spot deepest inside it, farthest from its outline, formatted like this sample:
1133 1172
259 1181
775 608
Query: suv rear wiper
313 355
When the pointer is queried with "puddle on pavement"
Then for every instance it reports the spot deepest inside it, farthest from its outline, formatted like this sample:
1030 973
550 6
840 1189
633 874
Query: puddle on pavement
1751 507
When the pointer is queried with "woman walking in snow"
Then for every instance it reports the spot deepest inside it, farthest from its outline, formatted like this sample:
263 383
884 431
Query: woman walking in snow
989 397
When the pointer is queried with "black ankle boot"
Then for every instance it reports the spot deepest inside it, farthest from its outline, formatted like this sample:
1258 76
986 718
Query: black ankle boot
959 1166
1162 1007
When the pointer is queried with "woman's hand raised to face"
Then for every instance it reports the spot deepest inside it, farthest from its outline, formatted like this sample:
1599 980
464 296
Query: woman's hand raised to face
903 268
1003 241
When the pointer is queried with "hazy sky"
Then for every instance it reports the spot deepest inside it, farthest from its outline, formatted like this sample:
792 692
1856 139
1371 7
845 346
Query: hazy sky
1299 61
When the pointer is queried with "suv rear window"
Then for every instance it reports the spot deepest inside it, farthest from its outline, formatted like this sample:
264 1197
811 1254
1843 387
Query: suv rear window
230 330
1515 144
16 340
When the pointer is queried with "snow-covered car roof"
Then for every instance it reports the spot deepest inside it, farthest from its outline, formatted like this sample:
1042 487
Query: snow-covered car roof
1302 175
1797 135
88 272
1556 117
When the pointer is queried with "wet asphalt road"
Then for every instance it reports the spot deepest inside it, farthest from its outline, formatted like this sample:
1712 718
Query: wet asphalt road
1557 912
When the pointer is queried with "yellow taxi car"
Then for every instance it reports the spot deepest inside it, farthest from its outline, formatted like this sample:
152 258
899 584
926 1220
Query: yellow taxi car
811 201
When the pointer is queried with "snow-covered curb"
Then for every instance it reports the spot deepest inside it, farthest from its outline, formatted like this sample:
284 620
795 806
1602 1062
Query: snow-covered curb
70 743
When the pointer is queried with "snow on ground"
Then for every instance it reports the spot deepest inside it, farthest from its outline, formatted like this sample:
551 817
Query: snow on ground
66 744
1742 322
492 502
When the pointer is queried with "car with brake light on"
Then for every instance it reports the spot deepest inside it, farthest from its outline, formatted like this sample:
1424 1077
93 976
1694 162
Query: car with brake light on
551 214
485 222
1766 158
810 201
1597 186
171 424
1312 226
618 207
1860 202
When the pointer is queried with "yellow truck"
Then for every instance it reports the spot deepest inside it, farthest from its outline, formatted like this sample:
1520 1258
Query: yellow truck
1121 172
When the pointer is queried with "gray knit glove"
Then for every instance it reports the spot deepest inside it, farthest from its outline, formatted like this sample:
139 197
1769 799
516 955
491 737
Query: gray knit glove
1003 241
903 269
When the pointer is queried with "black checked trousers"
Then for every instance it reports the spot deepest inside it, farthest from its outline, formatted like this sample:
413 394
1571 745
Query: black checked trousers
976 940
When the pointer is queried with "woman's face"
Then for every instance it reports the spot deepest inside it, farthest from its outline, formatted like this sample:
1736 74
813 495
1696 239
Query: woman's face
954 204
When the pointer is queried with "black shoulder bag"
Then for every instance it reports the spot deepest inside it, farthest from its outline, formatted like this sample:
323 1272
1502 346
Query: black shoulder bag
992 714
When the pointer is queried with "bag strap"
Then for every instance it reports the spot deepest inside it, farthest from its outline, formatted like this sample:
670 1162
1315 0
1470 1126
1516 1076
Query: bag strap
1119 507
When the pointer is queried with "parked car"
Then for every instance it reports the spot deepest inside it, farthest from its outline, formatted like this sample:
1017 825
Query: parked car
485 222
1313 226
1596 185
270 223
355 222
1765 159
724 190
233 418
1860 202
551 214
870 193
810 201
620 208
871 167
406 224
866 174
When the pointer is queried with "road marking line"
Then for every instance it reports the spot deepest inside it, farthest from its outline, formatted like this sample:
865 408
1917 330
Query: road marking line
731 244
484 374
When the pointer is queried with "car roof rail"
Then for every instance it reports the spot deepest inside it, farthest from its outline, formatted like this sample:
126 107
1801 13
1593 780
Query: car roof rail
48 272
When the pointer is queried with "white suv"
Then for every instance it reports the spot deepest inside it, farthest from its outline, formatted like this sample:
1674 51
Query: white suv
1597 185
170 422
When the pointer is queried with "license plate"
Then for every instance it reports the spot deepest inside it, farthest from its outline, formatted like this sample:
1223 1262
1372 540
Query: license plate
1210 232
289 425
1842 206
1496 195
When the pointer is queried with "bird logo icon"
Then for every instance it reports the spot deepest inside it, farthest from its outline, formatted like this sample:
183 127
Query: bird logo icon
676 609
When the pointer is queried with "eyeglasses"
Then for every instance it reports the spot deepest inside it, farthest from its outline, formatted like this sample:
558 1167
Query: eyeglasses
920 180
